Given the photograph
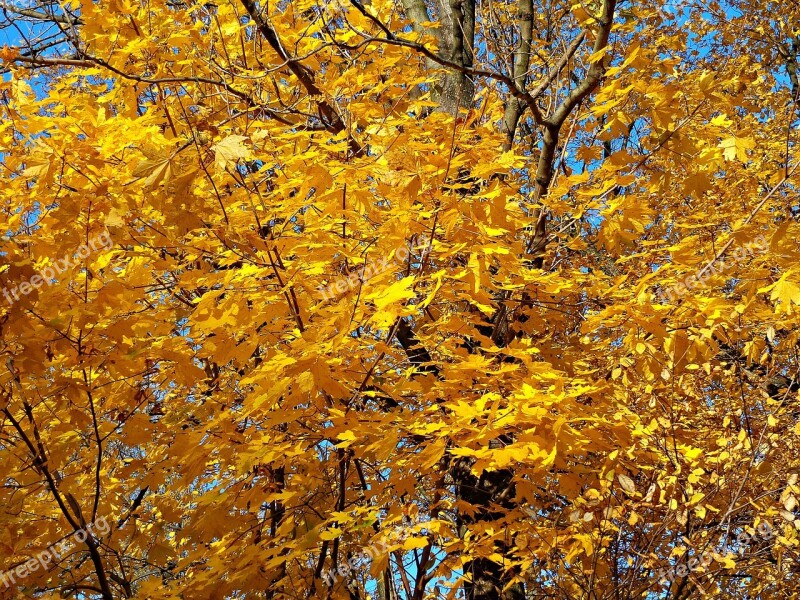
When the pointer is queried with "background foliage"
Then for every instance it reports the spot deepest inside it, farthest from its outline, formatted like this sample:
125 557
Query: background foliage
517 402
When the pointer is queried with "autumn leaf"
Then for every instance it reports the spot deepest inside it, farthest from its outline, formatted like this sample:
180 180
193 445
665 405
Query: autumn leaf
735 148
229 151
784 293
154 172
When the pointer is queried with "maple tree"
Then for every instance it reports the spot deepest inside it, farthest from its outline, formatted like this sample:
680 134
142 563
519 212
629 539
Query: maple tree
387 299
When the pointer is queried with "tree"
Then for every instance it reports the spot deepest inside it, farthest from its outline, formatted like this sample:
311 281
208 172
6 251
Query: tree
399 300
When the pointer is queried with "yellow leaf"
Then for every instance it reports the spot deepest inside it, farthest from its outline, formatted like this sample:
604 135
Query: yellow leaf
736 148
626 483
330 534
415 542
347 437
155 171
785 292
229 151
397 292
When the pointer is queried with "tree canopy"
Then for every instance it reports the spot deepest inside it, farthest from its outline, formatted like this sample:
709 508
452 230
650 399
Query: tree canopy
399 299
